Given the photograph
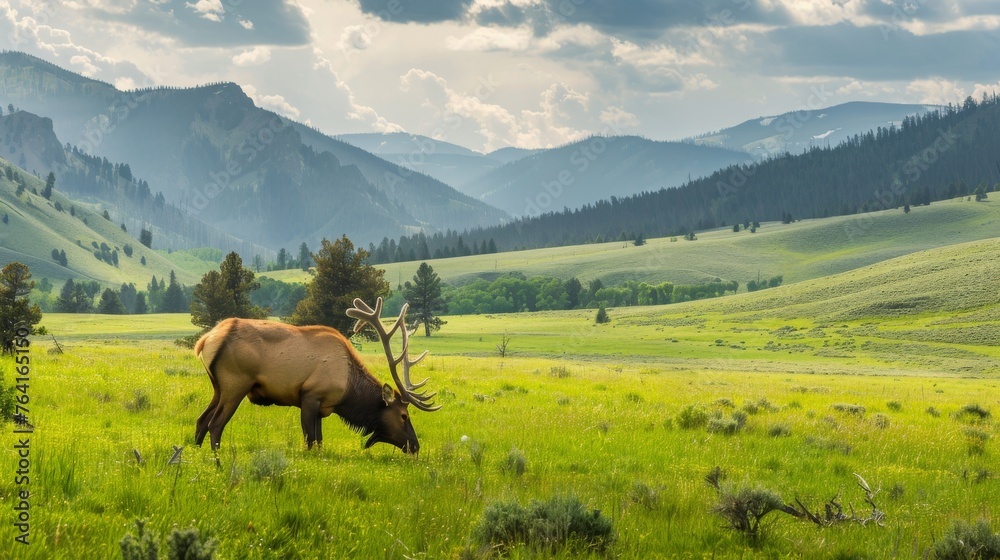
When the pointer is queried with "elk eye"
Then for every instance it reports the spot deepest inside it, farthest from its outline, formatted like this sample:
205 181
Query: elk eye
406 417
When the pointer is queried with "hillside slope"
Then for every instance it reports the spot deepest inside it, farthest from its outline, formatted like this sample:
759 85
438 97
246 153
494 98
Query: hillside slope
35 227
799 251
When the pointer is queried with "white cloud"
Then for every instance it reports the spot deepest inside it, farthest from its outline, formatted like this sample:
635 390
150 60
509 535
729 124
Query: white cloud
616 119
937 91
276 103
356 111
988 89
253 57
83 63
354 38
247 24
554 122
491 39
212 10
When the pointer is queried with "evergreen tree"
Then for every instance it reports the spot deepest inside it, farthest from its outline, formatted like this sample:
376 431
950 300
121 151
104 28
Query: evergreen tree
140 304
602 315
50 183
573 289
282 260
225 293
146 238
16 311
173 297
341 276
65 302
305 258
424 297
111 303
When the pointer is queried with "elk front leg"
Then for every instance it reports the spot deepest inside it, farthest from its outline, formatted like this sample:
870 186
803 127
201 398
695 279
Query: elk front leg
311 422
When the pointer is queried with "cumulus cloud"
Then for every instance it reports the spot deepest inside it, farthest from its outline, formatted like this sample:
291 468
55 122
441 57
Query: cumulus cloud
253 57
936 91
84 65
491 39
356 110
276 103
211 10
555 121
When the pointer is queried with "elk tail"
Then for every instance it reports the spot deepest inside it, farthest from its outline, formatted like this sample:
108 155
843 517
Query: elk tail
209 347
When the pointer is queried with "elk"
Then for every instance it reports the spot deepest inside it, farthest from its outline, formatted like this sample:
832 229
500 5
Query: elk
316 369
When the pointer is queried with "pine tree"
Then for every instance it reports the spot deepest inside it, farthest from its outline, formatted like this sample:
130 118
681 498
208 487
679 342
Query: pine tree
111 303
16 310
173 297
341 276
602 315
140 304
225 293
50 183
424 297
65 302
305 258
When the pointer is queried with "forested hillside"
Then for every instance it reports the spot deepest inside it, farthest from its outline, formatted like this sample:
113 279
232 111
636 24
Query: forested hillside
937 155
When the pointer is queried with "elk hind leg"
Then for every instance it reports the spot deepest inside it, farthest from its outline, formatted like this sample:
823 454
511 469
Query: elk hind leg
223 414
201 427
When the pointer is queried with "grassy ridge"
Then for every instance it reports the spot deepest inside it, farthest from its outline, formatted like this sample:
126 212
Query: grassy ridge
35 227
836 384
798 251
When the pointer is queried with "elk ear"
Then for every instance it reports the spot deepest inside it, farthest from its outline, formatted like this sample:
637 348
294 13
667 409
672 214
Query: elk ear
388 394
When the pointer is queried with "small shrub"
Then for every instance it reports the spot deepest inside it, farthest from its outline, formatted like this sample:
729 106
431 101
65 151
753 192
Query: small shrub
140 402
849 408
560 522
560 372
894 406
779 430
476 452
269 465
633 397
602 316
516 462
881 421
897 491
973 412
691 416
642 494
745 508
563 401
725 403
186 544
968 542
933 411
727 424
182 544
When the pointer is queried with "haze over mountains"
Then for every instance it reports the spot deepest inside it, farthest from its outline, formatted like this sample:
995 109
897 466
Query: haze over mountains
242 171
245 169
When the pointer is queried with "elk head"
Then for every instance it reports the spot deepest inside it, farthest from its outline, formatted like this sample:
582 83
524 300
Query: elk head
394 427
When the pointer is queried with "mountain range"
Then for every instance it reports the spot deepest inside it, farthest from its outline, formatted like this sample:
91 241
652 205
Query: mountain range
246 170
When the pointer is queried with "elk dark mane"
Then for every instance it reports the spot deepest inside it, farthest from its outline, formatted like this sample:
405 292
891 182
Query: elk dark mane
363 401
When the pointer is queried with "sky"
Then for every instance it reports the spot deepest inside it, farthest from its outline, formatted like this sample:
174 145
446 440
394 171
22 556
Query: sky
488 74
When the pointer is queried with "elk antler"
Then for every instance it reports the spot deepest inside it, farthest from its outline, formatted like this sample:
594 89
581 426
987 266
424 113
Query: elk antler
366 315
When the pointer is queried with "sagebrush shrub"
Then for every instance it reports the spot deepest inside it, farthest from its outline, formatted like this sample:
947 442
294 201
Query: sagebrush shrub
562 521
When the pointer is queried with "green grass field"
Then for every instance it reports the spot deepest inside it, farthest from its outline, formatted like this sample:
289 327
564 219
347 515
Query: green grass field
799 251
864 372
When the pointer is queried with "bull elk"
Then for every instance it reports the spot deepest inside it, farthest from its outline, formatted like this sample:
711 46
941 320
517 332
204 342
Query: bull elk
314 368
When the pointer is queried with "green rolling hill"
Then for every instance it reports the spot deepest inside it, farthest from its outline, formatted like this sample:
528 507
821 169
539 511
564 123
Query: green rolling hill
799 251
34 227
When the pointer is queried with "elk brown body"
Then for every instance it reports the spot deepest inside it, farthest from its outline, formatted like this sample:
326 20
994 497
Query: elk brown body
314 368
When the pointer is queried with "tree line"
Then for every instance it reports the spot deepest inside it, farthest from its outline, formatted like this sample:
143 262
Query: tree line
934 156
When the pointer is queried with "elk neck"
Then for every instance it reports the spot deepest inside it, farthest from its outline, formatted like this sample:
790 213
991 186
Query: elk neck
362 402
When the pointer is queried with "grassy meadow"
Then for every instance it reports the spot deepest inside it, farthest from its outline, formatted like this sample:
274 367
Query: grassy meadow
798 251
864 372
